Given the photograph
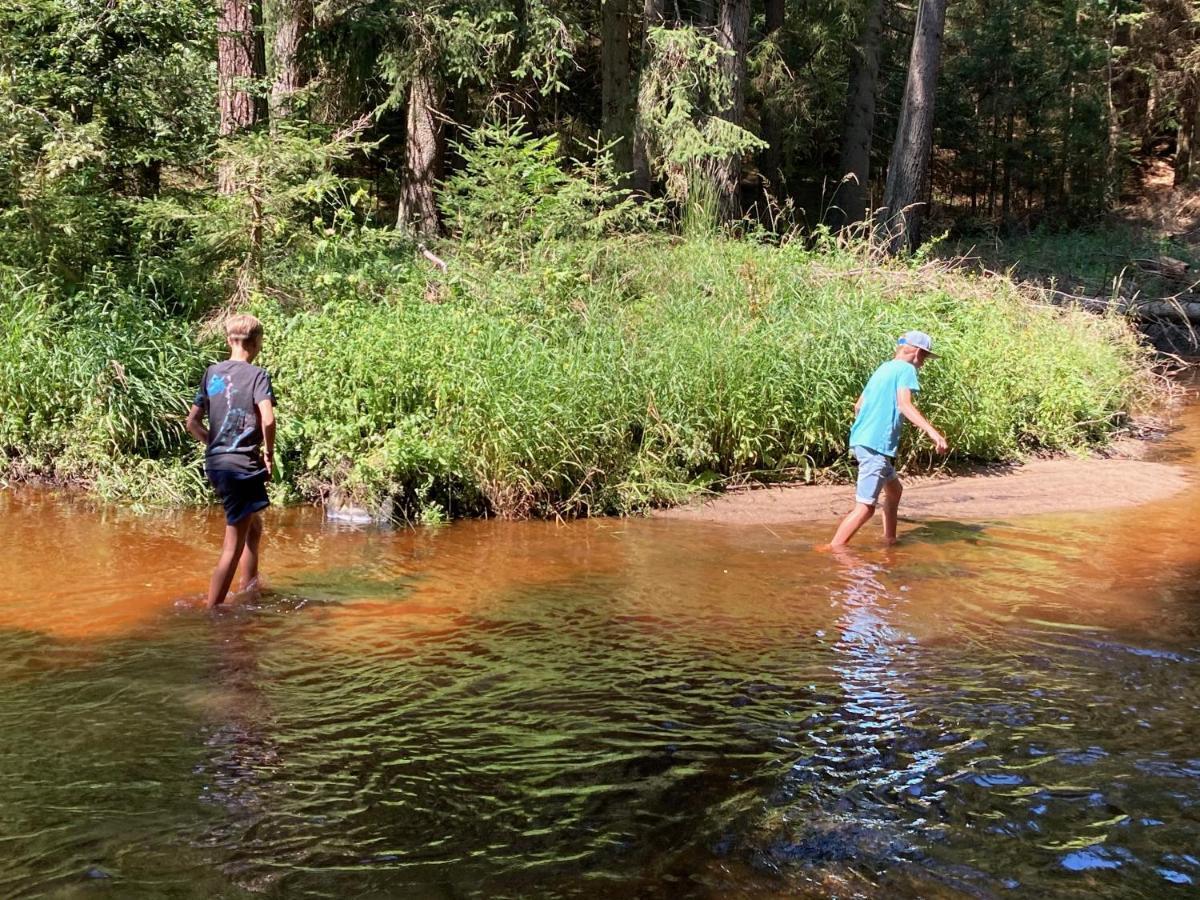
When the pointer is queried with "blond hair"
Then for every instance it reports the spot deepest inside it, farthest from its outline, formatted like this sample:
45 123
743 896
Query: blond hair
243 329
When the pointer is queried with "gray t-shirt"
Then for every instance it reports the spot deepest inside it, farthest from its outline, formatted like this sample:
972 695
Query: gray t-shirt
229 395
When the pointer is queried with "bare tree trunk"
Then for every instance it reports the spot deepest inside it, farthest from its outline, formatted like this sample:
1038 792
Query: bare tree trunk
240 60
772 132
616 80
1147 125
993 164
1112 158
1009 154
422 158
854 167
775 12
901 219
652 17
733 32
294 19
1189 132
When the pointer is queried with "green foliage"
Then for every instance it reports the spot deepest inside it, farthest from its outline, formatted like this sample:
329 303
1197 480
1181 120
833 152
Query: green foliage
554 369
95 98
513 191
683 90
600 377
95 386
1099 262
287 192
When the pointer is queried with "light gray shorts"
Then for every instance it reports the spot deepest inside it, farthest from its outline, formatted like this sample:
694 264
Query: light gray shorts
874 471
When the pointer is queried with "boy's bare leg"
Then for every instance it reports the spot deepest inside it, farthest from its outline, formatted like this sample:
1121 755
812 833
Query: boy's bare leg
855 519
222 576
250 553
892 492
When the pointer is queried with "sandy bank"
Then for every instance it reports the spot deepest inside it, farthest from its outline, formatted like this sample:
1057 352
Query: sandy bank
1038 486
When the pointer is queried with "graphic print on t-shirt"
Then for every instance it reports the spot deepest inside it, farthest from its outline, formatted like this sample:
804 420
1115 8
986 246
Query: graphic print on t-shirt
229 393
234 432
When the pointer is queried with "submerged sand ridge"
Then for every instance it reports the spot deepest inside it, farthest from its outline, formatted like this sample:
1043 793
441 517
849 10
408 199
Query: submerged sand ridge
1038 486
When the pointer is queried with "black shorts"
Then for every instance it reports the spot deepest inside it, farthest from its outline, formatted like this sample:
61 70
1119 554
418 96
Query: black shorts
241 494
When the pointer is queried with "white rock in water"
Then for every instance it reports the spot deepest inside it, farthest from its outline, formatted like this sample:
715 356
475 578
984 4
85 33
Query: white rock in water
337 510
348 515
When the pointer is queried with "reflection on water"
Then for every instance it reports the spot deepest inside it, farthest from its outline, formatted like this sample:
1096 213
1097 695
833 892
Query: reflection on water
618 708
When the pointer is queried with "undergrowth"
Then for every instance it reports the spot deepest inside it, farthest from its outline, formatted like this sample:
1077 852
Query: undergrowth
592 376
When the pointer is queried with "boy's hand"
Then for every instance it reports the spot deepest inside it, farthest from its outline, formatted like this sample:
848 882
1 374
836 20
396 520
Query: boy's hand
270 466
939 442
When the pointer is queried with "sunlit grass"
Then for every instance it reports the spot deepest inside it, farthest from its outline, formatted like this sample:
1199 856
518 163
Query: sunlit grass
593 377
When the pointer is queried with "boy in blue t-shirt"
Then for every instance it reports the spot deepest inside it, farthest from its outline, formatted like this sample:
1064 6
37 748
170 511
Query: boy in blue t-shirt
876 435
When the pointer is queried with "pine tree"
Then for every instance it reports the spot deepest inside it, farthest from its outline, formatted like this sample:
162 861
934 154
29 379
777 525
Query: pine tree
908 167
241 65
854 164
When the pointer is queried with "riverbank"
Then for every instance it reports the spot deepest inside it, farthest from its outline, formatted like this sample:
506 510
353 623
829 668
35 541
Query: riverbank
1132 471
984 492
575 378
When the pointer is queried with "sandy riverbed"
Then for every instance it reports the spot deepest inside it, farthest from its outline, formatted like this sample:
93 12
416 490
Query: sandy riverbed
1037 486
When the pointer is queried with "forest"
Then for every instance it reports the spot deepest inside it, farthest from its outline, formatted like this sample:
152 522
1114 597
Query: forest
539 257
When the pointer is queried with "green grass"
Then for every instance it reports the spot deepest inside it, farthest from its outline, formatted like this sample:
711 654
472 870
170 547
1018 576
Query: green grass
594 377
1090 262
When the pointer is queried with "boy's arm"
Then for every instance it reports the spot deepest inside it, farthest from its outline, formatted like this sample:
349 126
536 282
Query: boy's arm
195 425
858 405
266 412
909 410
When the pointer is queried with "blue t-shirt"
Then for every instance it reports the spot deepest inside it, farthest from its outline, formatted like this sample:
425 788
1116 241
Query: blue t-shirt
878 423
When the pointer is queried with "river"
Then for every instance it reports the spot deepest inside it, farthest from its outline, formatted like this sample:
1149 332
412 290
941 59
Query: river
611 707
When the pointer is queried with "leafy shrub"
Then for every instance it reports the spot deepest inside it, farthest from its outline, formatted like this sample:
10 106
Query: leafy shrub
102 381
513 191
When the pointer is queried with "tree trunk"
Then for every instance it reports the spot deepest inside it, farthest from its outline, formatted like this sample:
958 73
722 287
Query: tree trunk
733 31
422 158
1112 158
616 79
140 179
1189 132
240 61
1009 155
854 166
772 132
652 17
1147 126
993 164
292 26
901 220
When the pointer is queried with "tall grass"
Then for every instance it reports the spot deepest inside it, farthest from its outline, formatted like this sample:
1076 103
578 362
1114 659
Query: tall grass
596 377
91 386
605 377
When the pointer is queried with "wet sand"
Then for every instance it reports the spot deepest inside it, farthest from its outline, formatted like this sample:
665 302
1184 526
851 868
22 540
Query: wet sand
999 492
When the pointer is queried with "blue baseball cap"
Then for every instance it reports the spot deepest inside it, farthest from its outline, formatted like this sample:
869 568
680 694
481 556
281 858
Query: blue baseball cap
918 339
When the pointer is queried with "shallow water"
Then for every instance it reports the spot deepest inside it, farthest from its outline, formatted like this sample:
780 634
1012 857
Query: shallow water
614 708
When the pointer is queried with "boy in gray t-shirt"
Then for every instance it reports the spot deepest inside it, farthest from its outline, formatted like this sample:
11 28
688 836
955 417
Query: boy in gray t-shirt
236 398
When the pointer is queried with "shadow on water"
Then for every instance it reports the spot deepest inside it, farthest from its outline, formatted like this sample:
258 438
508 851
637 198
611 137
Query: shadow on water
942 531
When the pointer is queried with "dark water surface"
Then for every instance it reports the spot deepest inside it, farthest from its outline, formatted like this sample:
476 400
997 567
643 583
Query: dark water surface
617 708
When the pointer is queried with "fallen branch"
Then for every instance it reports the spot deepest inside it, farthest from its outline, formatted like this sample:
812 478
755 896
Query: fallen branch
432 257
